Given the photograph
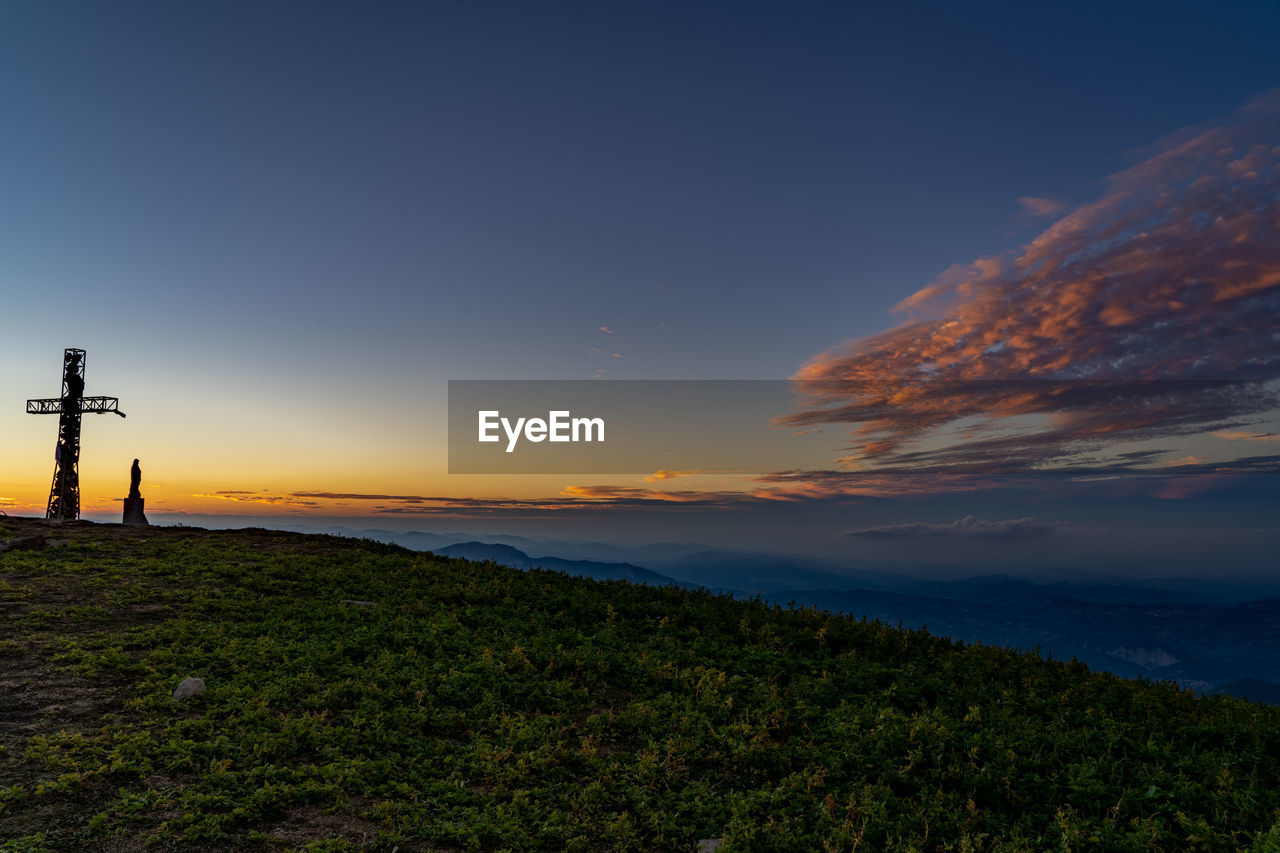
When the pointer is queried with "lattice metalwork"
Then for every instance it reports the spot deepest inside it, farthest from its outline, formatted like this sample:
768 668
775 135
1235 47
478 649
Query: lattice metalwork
64 494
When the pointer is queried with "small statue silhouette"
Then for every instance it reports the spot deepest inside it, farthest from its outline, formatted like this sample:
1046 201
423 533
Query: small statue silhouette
134 505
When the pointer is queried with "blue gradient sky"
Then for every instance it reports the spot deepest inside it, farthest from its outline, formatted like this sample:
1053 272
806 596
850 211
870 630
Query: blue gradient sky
279 228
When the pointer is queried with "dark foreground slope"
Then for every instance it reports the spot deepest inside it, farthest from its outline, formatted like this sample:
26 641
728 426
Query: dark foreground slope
360 695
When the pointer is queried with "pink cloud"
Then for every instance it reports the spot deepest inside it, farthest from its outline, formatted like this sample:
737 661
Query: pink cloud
1172 274
1232 435
1032 206
665 474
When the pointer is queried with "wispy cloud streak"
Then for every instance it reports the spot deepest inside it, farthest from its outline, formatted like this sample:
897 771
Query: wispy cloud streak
969 527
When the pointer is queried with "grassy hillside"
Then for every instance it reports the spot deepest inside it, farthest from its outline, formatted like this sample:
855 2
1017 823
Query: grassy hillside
363 695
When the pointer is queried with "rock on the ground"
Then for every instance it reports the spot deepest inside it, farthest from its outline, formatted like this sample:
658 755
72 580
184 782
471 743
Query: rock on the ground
189 687
709 845
20 542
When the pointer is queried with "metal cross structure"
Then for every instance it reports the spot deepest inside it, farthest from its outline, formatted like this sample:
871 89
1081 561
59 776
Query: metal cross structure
64 495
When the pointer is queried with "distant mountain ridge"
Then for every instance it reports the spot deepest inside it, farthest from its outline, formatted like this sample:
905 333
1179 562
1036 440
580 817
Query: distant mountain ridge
514 557
1205 647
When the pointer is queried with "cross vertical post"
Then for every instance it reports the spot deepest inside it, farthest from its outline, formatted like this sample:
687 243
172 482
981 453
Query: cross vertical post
64 494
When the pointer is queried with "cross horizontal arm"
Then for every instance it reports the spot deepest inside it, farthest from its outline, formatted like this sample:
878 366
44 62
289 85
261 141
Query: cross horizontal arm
94 405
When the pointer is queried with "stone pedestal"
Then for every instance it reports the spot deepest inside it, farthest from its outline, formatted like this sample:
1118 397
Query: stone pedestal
133 511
